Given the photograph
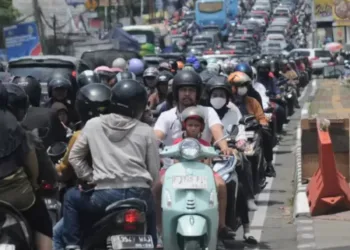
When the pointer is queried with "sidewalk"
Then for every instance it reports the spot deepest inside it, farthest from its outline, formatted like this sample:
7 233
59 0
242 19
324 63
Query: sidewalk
330 100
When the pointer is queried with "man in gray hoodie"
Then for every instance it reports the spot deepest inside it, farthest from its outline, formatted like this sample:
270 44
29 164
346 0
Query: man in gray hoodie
125 161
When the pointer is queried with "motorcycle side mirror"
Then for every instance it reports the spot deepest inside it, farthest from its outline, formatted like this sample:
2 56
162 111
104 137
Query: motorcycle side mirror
246 119
232 130
57 149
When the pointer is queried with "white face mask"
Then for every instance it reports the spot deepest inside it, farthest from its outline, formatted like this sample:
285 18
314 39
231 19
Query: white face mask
242 91
217 102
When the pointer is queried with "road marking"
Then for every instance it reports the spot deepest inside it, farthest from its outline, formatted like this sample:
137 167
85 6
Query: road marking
260 215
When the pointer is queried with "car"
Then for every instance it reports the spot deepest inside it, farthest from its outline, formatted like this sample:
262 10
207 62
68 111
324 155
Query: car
282 10
276 30
239 48
318 58
213 41
259 18
189 16
44 67
262 7
251 23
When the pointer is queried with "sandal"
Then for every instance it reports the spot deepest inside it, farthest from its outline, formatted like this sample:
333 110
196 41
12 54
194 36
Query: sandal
250 240
226 233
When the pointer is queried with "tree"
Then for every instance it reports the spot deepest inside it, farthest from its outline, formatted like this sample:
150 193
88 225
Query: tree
8 16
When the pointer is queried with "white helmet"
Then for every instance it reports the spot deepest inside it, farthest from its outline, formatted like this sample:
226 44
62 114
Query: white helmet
214 68
119 63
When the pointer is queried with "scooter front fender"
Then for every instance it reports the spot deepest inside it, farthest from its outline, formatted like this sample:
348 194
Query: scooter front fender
192 226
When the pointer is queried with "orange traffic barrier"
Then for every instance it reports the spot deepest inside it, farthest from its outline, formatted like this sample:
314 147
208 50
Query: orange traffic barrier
328 190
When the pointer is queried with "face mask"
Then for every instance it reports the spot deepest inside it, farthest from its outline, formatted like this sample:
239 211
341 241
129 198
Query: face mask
242 91
217 102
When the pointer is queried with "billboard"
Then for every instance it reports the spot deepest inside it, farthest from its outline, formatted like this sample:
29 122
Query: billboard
323 10
22 40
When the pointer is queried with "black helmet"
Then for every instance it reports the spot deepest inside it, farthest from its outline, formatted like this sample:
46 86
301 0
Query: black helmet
18 101
32 87
58 82
129 98
255 59
125 75
164 77
92 100
263 65
219 82
186 78
173 65
86 77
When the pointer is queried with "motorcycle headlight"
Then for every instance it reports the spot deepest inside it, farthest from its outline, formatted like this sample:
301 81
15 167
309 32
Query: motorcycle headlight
190 149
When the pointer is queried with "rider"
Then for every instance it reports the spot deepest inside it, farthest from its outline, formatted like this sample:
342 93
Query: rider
260 88
59 88
113 140
245 68
105 74
92 100
220 95
270 83
247 105
19 168
186 91
45 120
160 95
150 77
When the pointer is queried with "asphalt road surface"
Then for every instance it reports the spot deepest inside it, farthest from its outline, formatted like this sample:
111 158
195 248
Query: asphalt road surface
272 224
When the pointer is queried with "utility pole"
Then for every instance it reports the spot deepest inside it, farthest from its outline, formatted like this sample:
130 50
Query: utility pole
40 25
54 24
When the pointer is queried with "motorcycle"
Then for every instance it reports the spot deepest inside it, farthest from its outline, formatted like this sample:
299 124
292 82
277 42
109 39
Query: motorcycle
123 227
15 232
254 151
289 95
189 198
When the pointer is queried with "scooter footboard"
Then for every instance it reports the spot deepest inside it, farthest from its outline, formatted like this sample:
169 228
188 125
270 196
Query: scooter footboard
192 226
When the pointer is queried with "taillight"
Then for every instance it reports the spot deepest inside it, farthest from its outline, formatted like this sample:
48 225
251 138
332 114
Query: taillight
131 216
313 58
47 186
74 73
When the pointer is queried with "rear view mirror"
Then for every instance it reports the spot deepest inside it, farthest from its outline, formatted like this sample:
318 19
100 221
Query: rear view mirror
232 130
56 151
246 119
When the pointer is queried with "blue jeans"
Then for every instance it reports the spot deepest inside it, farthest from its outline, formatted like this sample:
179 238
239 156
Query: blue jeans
88 207
58 242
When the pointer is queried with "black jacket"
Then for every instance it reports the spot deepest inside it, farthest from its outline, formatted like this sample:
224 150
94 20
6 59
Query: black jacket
46 121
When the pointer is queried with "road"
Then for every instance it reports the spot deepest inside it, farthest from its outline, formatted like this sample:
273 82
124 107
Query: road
272 223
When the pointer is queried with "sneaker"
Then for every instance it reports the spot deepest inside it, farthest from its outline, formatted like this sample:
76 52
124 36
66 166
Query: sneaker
251 205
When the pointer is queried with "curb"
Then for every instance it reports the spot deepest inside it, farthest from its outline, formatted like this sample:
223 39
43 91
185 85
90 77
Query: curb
301 210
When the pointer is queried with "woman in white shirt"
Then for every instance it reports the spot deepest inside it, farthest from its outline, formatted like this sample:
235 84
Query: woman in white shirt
220 94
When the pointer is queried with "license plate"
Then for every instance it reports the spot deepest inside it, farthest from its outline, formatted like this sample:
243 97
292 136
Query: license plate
7 247
249 134
132 242
190 182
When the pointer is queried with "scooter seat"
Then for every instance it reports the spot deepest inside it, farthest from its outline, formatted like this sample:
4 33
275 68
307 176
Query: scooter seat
128 203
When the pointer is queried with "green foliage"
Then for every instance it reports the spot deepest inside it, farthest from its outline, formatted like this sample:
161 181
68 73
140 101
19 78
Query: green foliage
8 16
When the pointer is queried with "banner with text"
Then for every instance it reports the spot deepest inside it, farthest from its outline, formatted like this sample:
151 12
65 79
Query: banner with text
22 40
323 10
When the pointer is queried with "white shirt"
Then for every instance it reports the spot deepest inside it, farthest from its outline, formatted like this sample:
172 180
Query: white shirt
232 117
169 123
260 88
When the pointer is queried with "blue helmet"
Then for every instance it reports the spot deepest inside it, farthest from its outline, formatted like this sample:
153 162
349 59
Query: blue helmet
245 68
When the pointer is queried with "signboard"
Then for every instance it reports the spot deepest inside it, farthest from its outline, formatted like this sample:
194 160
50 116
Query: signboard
75 2
323 10
341 12
90 4
22 40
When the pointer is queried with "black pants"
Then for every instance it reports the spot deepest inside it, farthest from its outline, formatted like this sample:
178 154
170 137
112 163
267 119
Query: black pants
38 218
237 207
245 176
267 144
